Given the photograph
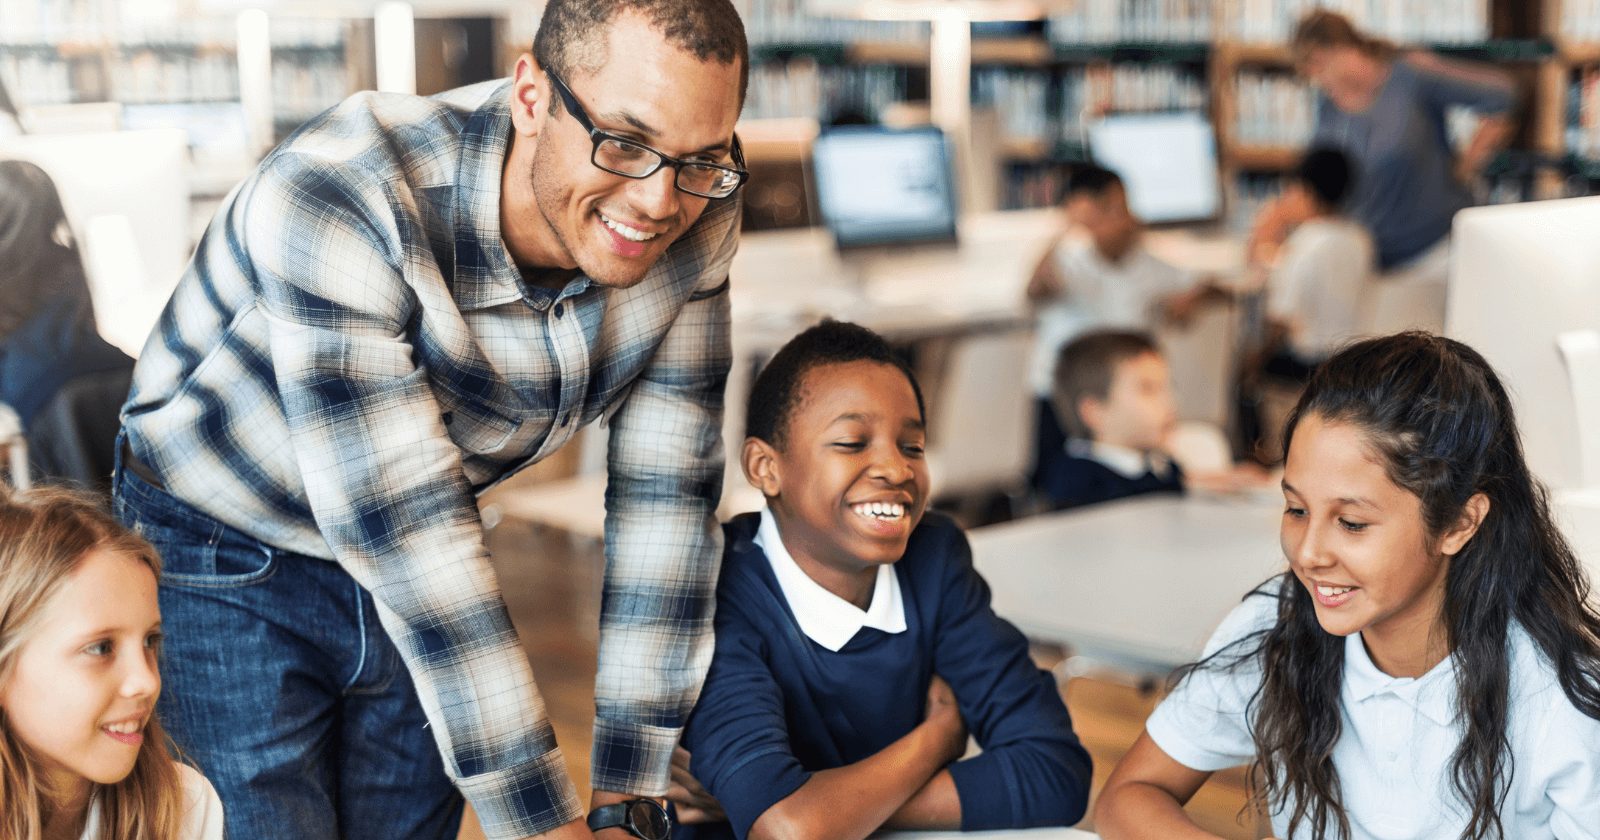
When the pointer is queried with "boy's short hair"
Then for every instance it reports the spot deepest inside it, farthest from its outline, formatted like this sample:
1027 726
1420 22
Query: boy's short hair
776 392
1327 173
1086 366
1090 179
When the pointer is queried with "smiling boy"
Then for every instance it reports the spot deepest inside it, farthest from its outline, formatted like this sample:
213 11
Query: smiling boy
855 643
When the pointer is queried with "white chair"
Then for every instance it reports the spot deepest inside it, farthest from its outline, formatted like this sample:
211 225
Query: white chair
1580 350
1200 447
981 437
1202 359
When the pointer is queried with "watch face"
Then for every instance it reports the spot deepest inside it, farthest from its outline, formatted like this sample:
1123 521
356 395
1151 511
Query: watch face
649 820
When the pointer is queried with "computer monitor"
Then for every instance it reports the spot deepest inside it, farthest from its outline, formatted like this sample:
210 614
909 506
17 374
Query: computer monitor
1167 161
1522 276
884 186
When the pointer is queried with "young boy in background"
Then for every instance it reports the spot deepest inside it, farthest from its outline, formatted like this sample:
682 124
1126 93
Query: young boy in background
1113 393
1098 274
1316 287
856 648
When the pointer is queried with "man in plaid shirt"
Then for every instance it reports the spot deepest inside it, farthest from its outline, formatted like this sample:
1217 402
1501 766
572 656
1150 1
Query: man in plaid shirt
411 299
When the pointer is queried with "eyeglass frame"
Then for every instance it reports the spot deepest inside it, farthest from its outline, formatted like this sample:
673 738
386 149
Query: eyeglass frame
598 136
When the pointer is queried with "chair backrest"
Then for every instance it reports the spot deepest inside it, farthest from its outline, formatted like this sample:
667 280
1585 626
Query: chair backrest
1200 447
1580 350
1201 356
982 424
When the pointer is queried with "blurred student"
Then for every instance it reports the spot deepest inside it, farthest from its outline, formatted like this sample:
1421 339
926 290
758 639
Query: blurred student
1098 274
1112 391
48 338
81 753
856 648
1429 666
1317 286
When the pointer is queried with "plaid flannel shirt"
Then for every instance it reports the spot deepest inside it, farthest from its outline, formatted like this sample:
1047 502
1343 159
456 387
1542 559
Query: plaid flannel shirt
352 356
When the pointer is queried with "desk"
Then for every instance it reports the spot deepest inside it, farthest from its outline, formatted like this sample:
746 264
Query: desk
1016 834
1141 583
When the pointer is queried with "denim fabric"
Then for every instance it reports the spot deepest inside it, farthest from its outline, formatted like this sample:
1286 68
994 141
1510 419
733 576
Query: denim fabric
279 683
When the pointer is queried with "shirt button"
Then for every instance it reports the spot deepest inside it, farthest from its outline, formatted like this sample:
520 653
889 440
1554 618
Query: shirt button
448 418
558 310
565 418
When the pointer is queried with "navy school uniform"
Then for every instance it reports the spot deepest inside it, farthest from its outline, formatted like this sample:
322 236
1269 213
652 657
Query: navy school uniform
778 706
1079 474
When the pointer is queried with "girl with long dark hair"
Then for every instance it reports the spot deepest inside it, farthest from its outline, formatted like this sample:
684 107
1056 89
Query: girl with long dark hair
1429 666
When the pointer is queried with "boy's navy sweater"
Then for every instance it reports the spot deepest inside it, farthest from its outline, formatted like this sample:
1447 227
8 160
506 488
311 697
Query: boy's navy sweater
1069 481
777 706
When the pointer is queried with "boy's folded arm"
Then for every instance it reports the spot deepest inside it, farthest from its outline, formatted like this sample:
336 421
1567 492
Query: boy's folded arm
1033 771
936 806
851 802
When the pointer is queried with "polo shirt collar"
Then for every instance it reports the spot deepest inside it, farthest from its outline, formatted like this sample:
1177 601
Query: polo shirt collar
824 617
1126 462
1433 694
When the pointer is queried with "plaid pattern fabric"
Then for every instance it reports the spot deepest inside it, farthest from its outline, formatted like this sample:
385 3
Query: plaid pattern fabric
352 356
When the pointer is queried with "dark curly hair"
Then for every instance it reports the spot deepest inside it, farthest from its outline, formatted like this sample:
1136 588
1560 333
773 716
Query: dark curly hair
777 392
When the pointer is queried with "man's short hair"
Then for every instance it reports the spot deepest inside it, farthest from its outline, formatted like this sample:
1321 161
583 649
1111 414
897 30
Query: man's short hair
1090 179
1086 366
1327 173
571 37
776 393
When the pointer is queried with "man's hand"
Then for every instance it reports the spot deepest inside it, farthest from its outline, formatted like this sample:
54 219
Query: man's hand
693 802
945 716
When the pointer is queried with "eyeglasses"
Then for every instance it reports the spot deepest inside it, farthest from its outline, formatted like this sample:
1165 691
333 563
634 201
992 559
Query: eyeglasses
624 157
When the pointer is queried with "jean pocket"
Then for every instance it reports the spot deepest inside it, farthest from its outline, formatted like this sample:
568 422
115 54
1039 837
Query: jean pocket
196 550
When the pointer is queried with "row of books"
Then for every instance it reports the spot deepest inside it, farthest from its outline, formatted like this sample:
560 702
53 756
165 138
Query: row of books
1583 114
42 20
1403 21
36 77
159 75
1273 109
788 22
804 88
307 85
1020 98
1108 21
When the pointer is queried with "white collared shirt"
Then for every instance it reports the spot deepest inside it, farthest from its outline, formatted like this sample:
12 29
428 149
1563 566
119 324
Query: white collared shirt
1397 738
1124 461
824 617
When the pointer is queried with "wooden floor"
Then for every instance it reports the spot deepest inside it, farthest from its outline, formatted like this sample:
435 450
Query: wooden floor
552 584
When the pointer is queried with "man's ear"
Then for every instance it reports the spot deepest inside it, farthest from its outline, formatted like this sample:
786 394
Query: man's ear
1472 515
530 96
761 468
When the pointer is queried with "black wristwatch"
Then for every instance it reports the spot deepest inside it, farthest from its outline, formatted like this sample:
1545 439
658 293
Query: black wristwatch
643 818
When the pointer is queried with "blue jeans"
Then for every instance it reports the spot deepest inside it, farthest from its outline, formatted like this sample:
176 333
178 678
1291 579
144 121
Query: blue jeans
280 684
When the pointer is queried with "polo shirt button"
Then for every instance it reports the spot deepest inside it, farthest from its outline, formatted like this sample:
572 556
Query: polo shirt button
558 310
448 418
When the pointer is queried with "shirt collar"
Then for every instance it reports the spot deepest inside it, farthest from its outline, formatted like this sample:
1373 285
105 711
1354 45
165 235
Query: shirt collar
484 272
1126 462
1433 694
824 617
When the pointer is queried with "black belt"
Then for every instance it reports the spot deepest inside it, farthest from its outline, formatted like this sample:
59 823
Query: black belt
131 463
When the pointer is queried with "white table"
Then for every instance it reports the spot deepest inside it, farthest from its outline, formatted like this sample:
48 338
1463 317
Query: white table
1139 583
1016 834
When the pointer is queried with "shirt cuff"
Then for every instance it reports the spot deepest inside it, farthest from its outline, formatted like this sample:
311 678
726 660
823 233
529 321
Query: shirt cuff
531 798
633 758
984 794
752 788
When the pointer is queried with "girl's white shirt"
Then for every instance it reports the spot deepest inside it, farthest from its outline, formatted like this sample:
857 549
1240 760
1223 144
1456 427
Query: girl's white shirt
202 809
1396 739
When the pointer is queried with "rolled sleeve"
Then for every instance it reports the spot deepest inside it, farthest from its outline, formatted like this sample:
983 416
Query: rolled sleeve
663 544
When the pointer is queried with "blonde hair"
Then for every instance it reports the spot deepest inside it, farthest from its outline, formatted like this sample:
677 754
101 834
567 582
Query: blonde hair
45 534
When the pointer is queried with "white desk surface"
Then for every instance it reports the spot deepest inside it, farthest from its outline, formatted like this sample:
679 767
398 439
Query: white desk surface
1140 583
1017 834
